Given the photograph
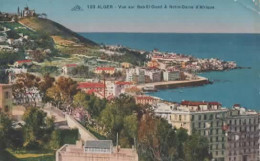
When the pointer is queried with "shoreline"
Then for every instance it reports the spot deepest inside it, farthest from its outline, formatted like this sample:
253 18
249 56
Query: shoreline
177 84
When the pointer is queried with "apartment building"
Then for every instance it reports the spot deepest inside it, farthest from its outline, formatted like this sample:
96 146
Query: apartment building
205 118
243 136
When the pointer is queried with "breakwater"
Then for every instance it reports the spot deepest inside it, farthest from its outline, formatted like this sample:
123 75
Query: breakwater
182 84
177 84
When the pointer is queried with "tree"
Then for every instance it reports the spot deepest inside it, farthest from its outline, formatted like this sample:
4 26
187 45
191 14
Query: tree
196 148
9 57
131 125
55 140
62 92
44 85
34 123
148 143
38 127
5 129
96 105
81 100
117 117
11 34
26 88
81 71
3 77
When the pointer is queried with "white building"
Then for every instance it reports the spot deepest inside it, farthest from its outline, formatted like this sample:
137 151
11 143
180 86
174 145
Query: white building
136 75
154 75
171 75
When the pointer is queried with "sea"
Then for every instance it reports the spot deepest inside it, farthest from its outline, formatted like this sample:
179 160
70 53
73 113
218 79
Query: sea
239 86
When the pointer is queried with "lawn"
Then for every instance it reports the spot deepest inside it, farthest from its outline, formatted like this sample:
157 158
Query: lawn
10 155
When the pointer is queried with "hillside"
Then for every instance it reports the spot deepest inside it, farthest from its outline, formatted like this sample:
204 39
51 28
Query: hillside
60 34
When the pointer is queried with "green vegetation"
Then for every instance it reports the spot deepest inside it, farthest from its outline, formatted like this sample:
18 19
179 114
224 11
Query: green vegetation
44 69
5 130
3 76
11 25
54 29
6 156
34 141
25 155
90 103
81 72
7 58
154 137
12 34
69 136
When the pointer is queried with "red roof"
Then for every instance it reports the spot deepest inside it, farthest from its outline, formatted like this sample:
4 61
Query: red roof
71 65
105 68
192 103
23 61
90 85
123 83
215 103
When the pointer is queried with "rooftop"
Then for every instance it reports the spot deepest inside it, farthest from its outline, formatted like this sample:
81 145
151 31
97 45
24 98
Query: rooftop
90 85
23 61
195 103
74 152
145 98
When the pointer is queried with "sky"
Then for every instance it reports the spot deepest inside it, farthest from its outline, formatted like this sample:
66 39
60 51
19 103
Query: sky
229 16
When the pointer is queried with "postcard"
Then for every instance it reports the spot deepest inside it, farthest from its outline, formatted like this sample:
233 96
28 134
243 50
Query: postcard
129 80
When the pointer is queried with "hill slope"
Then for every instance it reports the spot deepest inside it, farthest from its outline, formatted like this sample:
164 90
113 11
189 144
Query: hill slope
55 29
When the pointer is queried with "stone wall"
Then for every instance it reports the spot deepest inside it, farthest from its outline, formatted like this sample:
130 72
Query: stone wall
83 132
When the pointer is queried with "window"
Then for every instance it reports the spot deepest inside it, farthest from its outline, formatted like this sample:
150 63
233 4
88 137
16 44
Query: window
179 117
6 95
192 117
